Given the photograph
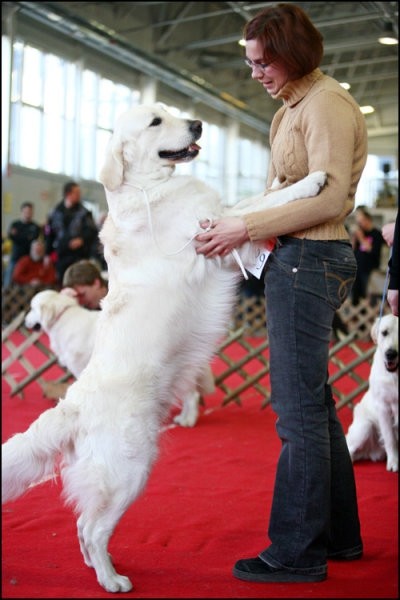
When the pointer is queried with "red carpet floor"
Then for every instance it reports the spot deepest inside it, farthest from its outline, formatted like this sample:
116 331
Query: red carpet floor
205 506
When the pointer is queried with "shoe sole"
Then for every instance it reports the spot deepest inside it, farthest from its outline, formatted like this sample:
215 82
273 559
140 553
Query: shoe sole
278 577
345 557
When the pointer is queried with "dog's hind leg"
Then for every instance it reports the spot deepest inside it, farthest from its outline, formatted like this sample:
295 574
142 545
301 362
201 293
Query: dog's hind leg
190 410
80 527
360 434
94 536
101 493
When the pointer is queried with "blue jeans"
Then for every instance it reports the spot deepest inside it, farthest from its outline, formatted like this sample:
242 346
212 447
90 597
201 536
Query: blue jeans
314 505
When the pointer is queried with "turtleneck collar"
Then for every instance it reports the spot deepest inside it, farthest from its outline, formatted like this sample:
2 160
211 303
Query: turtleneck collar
294 91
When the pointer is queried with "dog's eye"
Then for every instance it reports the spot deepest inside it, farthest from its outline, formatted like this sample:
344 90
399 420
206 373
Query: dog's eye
156 121
384 332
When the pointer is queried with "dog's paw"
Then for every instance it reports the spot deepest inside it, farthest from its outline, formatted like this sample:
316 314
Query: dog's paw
186 420
190 410
392 464
116 583
313 183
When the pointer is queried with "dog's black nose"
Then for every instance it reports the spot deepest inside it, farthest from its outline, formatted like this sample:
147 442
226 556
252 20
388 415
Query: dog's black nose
391 354
196 127
36 327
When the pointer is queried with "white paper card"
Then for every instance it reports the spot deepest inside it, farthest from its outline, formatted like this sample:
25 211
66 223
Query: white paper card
256 267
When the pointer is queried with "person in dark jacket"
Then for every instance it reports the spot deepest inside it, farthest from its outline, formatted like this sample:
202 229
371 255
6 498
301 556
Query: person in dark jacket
70 231
21 232
367 241
390 232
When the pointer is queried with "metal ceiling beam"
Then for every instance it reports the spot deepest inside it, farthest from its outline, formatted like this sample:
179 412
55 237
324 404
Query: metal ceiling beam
90 36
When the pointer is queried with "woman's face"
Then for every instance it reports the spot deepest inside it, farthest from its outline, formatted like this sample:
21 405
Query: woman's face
272 77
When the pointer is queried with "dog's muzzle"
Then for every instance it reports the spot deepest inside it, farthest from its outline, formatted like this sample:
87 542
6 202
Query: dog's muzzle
35 326
191 151
391 360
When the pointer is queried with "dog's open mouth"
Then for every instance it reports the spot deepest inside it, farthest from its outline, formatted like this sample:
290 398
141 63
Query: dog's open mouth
392 365
391 360
185 154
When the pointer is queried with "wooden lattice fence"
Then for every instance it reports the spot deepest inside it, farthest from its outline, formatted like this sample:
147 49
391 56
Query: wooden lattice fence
350 358
16 298
243 355
17 369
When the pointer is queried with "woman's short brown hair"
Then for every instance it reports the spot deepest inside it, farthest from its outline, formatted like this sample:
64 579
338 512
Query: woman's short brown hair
83 272
288 37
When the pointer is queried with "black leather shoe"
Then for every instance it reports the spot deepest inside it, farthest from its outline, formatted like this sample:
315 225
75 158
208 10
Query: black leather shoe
350 554
255 569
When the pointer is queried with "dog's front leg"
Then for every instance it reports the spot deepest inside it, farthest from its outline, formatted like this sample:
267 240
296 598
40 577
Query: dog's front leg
305 188
389 439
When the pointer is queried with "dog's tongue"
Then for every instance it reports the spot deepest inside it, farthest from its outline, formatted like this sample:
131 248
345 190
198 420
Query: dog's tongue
194 147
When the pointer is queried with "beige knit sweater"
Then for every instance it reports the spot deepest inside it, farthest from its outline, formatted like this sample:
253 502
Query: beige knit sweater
319 128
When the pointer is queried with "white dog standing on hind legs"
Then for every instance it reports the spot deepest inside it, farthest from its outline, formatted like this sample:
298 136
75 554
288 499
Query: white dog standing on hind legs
374 432
166 310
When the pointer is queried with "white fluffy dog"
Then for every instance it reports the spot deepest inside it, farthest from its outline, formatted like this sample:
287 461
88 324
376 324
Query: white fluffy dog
71 331
70 327
373 434
165 312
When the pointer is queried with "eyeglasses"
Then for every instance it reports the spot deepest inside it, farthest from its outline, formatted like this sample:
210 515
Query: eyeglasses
254 65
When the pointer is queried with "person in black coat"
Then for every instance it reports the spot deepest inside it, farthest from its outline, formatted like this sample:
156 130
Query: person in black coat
70 231
21 232
390 233
367 243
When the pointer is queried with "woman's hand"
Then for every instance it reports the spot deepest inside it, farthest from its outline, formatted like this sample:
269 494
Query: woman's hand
393 300
388 233
221 237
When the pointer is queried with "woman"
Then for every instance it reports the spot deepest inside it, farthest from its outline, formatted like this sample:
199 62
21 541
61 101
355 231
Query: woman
309 274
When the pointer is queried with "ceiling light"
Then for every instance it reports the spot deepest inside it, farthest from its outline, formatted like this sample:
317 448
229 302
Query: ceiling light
389 37
53 17
388 41
345 85
367 110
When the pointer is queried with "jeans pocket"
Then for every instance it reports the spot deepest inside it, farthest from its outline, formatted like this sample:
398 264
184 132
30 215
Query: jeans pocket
339 279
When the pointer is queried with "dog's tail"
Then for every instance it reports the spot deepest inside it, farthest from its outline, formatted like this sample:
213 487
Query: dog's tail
29 457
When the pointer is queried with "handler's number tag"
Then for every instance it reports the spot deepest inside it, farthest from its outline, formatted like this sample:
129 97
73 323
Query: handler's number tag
261 257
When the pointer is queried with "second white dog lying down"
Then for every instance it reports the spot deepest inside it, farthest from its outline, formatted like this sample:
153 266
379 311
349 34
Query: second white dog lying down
71 331
374 432
165 312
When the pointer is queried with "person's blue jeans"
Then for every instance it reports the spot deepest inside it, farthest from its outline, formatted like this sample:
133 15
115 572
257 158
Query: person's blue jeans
314 506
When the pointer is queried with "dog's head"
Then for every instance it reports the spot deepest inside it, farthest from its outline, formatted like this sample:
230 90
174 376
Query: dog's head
385 334
148 141
46 307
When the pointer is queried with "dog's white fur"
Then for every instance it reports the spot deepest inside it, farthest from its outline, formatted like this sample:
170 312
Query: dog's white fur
166 309
70 327
373 433
71 331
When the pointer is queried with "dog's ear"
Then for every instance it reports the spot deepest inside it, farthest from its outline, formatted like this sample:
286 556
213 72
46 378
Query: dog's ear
48 313
112 172
375 331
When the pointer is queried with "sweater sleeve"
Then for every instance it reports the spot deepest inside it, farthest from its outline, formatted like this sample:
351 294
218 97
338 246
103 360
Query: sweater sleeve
334 139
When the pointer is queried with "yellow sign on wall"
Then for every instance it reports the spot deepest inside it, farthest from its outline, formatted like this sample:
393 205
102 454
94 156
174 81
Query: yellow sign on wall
7 202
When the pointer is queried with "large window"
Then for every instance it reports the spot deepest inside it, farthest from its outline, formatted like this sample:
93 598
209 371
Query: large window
252 168
61 115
